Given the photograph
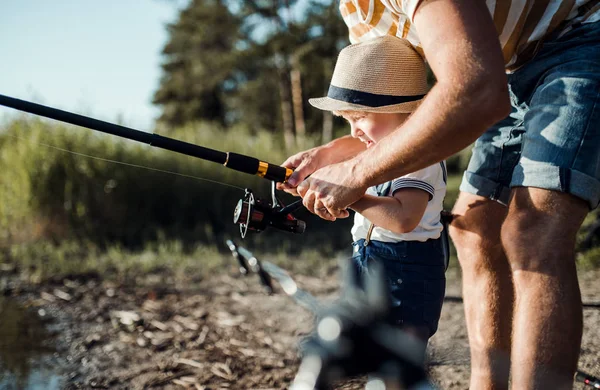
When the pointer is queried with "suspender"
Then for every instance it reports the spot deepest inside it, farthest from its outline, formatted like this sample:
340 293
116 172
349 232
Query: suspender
445 223
382 190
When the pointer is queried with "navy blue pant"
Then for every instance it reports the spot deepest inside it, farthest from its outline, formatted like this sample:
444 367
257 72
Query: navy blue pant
415 273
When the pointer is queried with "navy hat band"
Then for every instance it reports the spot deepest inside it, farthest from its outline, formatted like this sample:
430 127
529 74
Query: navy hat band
368 99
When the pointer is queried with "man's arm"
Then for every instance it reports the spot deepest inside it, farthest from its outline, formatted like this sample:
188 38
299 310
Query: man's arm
461 45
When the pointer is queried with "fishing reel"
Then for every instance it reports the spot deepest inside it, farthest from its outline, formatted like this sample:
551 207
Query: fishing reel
257 214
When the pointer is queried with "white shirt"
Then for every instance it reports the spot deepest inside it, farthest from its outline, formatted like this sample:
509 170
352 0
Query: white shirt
430 180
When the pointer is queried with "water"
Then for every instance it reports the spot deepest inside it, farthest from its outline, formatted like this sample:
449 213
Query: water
26 345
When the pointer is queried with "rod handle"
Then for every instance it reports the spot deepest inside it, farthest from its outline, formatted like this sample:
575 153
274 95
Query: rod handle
254 166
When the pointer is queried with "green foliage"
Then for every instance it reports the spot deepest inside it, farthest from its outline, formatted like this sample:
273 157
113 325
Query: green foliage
589 259
41 261
588 241
58 209
199 62
452 190
230 62
48 193
458 163
54 194
155 263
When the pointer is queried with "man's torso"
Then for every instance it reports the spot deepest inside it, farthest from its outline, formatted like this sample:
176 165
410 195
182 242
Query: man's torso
521 24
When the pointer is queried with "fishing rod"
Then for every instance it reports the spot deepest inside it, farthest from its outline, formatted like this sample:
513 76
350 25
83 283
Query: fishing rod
238 162
251 213
267 271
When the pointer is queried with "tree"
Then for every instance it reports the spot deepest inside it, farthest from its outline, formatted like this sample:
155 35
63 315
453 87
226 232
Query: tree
234 61
200 63
328 35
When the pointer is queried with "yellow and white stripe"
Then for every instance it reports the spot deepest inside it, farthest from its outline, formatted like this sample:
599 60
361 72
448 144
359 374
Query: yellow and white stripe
521 24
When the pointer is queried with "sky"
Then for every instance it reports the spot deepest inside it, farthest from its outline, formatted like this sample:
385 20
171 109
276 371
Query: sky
96 58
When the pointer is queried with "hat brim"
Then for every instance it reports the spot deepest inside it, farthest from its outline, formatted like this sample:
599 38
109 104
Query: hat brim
329 104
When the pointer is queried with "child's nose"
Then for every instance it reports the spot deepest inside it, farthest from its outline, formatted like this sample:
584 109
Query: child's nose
355 131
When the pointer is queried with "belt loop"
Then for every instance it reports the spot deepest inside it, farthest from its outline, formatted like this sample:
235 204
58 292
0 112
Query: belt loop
368 238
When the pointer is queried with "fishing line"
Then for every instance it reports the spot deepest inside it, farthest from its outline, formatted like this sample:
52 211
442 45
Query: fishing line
126 164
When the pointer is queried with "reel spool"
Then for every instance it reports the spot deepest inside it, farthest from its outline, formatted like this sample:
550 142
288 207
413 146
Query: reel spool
257 214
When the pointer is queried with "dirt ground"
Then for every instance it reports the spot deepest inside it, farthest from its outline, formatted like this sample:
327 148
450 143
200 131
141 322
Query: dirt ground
223 332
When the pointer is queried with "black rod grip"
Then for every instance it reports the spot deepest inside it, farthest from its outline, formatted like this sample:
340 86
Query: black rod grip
254 166
277 173
242 163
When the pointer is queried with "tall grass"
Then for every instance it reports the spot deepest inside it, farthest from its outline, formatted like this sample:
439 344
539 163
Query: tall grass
49 193
62 194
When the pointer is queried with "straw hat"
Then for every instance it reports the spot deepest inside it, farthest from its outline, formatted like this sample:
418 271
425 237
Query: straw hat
384 74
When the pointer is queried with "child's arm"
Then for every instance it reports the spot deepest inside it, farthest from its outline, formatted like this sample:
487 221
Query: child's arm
400 213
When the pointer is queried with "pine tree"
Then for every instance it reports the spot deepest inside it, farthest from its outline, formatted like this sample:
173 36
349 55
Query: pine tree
234 62
200 64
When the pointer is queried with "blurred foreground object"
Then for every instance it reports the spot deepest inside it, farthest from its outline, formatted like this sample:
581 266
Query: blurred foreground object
353 336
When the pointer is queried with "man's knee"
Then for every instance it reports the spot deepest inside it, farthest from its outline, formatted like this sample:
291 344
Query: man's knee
540 225
475 228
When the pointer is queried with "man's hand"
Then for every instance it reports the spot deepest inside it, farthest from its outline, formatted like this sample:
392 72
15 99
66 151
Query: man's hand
330 190
308 161
303 164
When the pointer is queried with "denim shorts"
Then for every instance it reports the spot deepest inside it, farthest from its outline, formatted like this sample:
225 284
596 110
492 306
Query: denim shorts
551 139
415 273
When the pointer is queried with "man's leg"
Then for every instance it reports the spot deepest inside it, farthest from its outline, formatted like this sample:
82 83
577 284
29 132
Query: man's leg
487 288
539 239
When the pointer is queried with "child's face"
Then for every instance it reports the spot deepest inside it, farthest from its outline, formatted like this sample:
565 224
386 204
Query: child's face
371 127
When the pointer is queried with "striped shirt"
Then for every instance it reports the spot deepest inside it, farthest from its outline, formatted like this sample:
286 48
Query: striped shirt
521 23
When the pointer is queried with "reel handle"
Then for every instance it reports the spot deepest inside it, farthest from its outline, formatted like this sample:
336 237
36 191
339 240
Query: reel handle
291 207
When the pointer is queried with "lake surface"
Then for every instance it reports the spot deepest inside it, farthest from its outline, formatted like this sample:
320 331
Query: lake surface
26 348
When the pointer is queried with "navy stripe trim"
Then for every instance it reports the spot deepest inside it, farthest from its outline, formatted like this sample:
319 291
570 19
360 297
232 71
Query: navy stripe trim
368 99
444 172
412 183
